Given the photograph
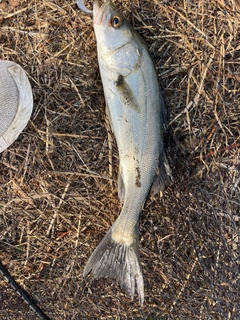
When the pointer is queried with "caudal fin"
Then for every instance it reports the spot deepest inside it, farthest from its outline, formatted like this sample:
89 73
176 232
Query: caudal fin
117 261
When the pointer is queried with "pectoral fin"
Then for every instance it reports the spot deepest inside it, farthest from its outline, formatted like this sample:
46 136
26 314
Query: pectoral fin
126 95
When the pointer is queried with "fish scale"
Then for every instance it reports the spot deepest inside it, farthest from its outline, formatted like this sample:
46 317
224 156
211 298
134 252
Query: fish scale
136 111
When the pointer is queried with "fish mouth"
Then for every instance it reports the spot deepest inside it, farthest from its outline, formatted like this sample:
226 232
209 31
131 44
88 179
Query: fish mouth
99 14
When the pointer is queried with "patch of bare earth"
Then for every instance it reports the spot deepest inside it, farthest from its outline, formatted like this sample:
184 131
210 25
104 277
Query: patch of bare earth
58 197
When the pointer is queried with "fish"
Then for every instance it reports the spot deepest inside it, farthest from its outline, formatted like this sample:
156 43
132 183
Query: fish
137 114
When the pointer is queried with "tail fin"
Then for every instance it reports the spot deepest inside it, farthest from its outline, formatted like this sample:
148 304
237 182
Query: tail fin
117 261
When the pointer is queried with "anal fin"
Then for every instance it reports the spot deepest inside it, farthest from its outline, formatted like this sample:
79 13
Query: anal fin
163 177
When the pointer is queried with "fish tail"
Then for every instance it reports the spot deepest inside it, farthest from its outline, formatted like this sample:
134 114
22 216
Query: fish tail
112 259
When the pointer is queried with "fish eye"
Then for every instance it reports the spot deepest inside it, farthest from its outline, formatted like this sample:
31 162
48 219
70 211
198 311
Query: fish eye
116 22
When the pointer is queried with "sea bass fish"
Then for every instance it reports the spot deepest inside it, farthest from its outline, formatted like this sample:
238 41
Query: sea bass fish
135 108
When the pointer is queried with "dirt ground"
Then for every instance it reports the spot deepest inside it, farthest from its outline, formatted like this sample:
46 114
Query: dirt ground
57 196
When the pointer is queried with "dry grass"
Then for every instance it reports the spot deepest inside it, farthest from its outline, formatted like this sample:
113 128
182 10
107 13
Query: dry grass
58 197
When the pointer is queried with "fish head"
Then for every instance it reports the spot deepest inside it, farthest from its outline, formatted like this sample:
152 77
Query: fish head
110 26
117 41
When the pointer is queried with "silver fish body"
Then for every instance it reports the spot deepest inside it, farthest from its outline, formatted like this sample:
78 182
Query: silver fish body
137 115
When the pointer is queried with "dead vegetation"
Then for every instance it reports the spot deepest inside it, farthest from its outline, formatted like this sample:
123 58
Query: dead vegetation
57 196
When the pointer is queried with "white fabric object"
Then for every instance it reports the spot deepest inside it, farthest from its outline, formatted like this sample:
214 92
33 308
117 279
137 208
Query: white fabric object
16 102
